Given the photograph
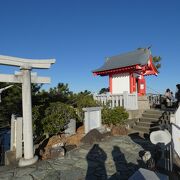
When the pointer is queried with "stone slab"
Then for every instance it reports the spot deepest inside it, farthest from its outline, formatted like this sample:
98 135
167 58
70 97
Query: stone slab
148 175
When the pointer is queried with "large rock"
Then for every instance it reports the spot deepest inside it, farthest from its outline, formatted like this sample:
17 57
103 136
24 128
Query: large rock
68 143
119 130
80 130
51 143
57 152
92 136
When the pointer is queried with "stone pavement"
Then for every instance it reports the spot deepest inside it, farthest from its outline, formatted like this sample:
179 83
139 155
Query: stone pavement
113 158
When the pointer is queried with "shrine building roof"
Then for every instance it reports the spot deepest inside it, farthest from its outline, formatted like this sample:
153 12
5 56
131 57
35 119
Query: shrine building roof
137 57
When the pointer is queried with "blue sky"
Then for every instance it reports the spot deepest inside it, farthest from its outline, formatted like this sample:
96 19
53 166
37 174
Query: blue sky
79 34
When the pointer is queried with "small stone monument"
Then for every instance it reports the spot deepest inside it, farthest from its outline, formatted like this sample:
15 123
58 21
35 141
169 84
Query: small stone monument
71 128
92 118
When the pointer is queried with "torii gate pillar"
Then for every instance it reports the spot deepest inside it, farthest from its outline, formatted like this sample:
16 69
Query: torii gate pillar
26 78
29 157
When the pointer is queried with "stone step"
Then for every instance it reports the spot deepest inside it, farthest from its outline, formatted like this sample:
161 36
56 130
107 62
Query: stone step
138 133
154 111
149 120
146 124
151 115
146 130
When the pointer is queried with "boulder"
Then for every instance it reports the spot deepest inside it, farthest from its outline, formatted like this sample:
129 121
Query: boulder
56 152
92 136
119 130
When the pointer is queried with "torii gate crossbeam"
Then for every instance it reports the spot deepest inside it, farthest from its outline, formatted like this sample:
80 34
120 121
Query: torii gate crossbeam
20 62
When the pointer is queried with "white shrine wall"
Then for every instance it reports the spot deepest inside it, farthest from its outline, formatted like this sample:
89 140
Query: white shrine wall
120 83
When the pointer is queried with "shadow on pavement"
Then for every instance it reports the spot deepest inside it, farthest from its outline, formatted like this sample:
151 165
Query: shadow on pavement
123 169
96 158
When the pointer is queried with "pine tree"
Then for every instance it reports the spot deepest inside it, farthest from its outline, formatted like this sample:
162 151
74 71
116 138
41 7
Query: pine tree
156 61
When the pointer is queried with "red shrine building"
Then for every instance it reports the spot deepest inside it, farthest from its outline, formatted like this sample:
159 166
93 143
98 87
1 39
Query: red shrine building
127 71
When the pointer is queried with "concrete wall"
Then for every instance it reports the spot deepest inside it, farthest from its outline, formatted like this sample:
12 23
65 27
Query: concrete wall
120 83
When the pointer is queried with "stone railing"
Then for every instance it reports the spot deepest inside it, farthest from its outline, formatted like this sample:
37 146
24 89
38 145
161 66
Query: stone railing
126 100
154 99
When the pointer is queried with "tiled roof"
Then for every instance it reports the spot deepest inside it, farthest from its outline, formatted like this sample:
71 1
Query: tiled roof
140 57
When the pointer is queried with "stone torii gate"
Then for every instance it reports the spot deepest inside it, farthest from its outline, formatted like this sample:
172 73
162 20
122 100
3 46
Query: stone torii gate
25 77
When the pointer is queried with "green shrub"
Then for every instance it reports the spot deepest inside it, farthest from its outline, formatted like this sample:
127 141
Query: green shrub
57 116
83 100
115 116
37 116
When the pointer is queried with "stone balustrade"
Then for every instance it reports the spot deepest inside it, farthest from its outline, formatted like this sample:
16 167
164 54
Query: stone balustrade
126 100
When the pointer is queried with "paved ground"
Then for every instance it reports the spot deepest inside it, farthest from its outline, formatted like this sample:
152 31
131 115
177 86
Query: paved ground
112 158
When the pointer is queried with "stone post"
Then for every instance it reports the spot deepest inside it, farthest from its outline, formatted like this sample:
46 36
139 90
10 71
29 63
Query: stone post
12 132
143 103
136 100
19 137
125 97
29 157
